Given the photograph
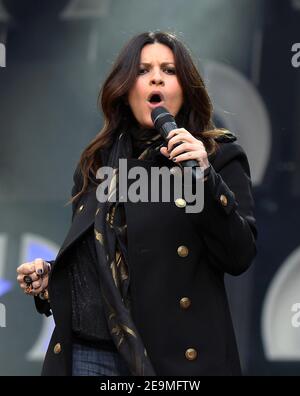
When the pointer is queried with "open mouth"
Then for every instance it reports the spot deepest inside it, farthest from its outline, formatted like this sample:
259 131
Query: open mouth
155 98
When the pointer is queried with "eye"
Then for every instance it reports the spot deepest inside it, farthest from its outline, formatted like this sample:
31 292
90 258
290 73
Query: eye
142 70
170 70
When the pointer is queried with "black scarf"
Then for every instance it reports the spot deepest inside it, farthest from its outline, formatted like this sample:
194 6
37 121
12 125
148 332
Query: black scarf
111 247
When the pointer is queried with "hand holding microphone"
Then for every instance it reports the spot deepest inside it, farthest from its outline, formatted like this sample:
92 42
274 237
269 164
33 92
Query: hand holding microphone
183 148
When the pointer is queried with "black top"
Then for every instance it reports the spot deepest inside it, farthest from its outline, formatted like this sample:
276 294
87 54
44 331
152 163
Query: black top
88 318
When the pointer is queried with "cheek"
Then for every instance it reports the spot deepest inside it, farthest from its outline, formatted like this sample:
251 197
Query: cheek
136 95
177 94
139 90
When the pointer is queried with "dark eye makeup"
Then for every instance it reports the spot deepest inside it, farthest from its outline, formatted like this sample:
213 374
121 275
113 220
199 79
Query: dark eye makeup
169 70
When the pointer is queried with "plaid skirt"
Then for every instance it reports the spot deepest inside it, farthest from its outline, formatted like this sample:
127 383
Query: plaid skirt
91 361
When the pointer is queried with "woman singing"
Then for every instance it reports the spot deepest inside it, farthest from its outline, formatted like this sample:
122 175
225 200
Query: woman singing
137 287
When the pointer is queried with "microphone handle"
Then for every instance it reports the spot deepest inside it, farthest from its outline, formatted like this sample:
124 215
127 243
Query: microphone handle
165 129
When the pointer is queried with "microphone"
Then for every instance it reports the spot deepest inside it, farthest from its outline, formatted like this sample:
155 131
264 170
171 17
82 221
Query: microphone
164 122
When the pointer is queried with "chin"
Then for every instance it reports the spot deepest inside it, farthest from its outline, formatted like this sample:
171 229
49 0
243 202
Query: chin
146 124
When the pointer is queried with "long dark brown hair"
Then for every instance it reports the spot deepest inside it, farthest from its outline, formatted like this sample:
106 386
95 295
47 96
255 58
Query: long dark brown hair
195 114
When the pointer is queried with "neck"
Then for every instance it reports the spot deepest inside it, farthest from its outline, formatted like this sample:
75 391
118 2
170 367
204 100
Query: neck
142 138
143 133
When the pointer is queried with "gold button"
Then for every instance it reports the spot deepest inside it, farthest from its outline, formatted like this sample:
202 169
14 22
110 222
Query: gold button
180 202
80 208
185 302
223 200
183 251
57 349
191 354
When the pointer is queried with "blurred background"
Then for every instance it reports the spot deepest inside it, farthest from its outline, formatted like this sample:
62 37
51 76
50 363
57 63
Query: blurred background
54 55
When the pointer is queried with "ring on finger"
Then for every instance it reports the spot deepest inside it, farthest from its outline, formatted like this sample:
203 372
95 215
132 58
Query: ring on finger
28 289
28 280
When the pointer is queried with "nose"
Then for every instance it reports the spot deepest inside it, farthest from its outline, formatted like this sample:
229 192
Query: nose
156 79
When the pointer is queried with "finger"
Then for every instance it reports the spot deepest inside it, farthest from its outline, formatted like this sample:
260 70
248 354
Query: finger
37 284
36 292
42 287
40 266
33 276
187 156
175 132
26 268
20 279
184 147
178 139
44 283
164 151
24 287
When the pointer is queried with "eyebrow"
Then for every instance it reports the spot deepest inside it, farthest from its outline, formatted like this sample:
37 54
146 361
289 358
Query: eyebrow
162 64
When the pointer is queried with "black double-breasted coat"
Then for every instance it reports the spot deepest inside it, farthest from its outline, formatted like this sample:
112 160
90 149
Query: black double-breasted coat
177 264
